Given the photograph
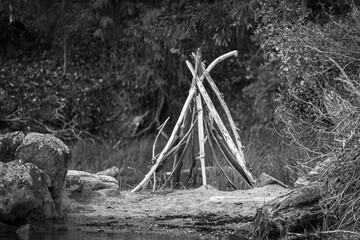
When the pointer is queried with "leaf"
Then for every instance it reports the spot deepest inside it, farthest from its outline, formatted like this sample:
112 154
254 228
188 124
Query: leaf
105 21
99 33
100 4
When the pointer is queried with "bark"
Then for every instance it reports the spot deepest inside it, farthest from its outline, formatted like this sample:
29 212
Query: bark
296 213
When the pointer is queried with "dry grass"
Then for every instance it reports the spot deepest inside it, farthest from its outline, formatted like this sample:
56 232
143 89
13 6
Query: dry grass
268 154
134 157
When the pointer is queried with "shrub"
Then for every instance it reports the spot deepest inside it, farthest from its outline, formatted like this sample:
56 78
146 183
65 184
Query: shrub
320 97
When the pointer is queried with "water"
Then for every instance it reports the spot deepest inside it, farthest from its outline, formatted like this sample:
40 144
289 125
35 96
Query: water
92 236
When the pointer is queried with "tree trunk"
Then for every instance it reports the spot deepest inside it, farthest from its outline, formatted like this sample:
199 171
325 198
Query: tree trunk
295 213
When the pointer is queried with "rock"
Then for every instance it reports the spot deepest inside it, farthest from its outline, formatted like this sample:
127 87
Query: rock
50 155
85 187
32 178
124 172
112 172
265 179
24 193
9 142
23 232
105 193
77 180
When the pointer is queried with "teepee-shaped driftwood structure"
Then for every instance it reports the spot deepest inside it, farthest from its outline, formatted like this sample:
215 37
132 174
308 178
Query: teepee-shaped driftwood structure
231 150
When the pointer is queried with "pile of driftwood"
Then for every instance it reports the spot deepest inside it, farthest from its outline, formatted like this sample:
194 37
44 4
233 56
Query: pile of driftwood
210 128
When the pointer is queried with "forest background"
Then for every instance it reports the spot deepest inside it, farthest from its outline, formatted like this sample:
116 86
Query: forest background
103 75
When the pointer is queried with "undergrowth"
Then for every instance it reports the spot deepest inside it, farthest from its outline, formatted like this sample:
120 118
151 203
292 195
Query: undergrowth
264 154
268 152
132 159
319 101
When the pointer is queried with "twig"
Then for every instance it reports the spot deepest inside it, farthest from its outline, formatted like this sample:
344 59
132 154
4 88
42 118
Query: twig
154 145
348 80
157 136
340 231
182 141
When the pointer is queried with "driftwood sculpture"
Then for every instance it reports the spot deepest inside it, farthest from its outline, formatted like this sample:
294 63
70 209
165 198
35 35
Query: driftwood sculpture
210 127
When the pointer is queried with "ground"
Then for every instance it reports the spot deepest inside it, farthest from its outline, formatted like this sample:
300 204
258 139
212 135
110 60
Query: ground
204 212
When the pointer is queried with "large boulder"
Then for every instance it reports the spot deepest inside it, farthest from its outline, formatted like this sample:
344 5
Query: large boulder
49 154
24 193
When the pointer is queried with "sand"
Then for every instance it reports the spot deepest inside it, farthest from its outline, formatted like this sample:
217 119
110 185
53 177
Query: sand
204 212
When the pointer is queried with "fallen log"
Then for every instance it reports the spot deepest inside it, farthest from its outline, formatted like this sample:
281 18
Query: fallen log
291 216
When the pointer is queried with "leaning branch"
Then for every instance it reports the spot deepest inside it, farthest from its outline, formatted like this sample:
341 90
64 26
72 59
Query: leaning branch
240 159
192 92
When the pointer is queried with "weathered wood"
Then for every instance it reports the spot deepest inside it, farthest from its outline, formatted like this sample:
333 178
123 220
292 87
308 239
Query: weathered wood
246 174
171 140
201 137
220 97
297 213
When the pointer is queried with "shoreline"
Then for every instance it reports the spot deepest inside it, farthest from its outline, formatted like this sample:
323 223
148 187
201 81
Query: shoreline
202 212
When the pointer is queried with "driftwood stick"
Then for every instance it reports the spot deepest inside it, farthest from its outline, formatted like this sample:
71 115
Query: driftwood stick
220 96
154 186
157 136
180 143
192 92
201 138
226 152
191 154
182 154
210 134
177 164
248 176
221 58
167 146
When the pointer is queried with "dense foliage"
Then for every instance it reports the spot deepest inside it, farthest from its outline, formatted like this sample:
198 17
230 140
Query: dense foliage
319 100
90 67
